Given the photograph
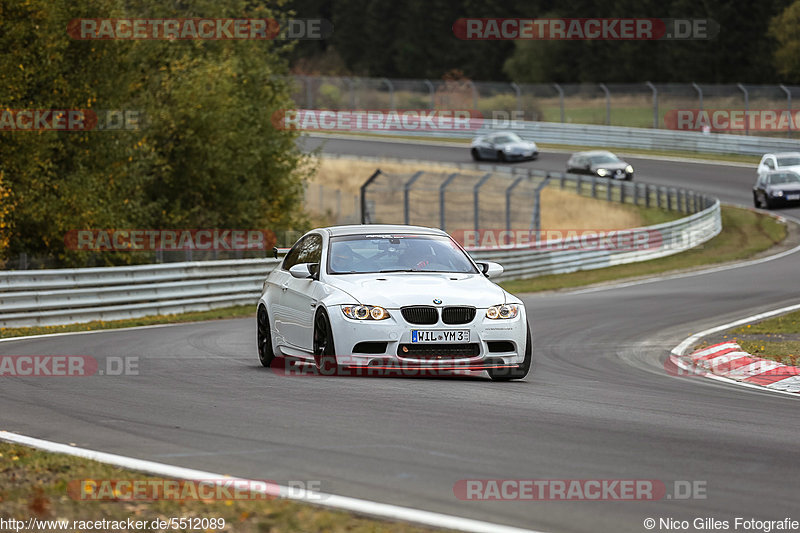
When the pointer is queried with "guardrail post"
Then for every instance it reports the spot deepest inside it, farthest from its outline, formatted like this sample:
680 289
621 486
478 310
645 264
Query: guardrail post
635 194
562 180
669 200
746 107
442 187
476 202
646 195
608 103
560 100
406 191
594 186
655 104
621 191
365 218
509 190
788 108
608 190
578 184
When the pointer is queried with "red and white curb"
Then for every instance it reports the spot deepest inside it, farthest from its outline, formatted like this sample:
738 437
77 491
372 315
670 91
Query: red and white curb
726 361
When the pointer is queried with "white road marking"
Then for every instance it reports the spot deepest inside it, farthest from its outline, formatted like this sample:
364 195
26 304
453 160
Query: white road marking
376 509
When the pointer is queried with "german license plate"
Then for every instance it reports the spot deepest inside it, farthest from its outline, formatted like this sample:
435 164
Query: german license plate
439 335
793 196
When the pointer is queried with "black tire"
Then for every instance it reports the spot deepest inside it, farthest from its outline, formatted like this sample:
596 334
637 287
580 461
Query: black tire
324 350
501 157
756 203
475 154
264 338
507 374
768 204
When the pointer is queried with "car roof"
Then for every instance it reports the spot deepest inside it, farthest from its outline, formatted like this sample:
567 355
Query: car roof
367 229
594 152
785 154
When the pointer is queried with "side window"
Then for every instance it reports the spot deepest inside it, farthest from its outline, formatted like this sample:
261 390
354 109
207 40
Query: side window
292 257
770 164
311 249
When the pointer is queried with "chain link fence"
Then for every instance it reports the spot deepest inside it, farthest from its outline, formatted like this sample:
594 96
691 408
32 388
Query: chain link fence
643 105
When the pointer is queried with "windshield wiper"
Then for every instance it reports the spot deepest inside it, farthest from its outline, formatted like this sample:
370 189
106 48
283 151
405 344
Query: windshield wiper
389 270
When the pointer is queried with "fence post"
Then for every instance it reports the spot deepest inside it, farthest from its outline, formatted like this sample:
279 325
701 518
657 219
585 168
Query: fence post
560 100
562 180
391 91
655 104
699 94
608 103
508 201
621 191
406 190
536 219
476 202
669 199
432 92
364 214
578 184
594 186
636 194
309 96
351 88
646 195
746 107
608 190
442 187
788 108
518 92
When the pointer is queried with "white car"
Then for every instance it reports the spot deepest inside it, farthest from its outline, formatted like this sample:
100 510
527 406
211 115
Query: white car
391 296
779 161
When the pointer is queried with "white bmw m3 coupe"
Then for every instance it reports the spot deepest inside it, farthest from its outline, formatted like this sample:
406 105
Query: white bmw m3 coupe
391 296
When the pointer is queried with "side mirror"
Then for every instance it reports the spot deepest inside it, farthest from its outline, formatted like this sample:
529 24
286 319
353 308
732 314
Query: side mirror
305 271
490 268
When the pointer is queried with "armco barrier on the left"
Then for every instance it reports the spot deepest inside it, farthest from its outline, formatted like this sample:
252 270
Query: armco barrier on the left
65 296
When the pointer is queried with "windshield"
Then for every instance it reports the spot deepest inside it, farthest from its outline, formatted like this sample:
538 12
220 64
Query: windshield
781 179
604 159
396 253
508 138
788 161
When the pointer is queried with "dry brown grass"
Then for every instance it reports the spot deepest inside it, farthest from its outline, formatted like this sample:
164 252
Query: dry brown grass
560 209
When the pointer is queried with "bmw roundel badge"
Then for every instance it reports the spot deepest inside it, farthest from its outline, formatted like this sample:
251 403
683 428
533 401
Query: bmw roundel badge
437 301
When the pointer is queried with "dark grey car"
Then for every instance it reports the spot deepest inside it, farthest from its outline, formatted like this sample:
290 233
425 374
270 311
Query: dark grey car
777 187
600 163
503 146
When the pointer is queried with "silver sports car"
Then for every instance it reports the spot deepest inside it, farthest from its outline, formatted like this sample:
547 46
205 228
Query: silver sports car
503 146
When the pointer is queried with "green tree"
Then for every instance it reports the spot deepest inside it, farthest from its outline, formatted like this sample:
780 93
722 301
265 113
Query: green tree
785 29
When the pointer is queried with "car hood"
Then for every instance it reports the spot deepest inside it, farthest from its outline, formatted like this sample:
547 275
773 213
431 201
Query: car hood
795 168
785 187
394 290
611 166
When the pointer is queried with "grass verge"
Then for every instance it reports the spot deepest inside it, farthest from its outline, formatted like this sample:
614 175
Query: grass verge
776 338
195 316
745 233
34 484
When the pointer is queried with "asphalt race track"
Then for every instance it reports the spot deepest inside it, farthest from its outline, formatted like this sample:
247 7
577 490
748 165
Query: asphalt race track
599 404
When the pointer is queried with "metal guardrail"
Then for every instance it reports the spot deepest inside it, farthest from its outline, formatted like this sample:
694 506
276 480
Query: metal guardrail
612 137
63 296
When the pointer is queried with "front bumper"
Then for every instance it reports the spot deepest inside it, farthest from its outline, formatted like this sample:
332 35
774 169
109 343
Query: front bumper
492 343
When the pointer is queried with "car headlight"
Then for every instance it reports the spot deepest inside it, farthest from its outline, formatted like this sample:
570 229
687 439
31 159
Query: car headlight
779 194
602 172
365 312
502 311
629 169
